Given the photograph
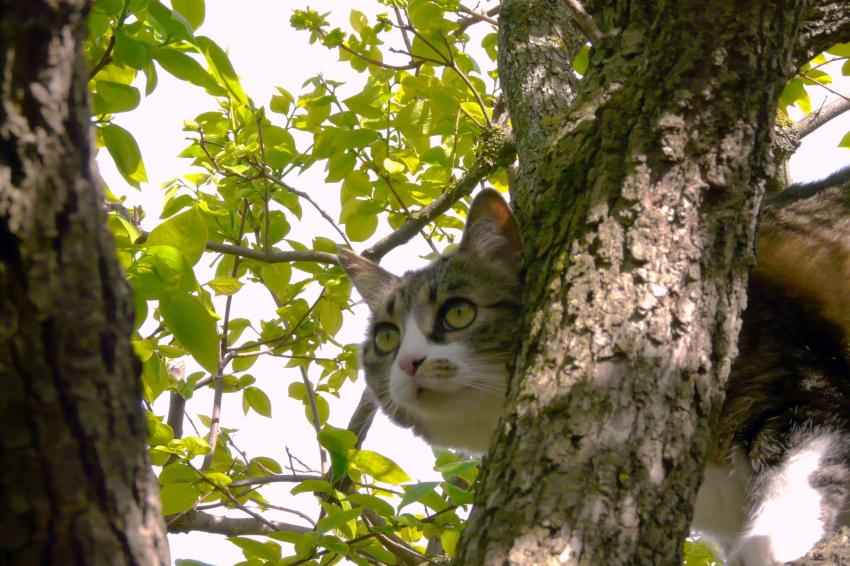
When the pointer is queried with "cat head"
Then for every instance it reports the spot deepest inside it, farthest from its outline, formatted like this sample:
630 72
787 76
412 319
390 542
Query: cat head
436 351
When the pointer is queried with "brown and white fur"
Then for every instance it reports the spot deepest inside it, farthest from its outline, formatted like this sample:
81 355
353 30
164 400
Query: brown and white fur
778 479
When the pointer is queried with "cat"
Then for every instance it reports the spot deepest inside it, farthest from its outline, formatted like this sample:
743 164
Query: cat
778 478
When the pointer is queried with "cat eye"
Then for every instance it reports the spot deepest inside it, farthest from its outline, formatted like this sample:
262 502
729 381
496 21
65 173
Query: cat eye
457 314
386 338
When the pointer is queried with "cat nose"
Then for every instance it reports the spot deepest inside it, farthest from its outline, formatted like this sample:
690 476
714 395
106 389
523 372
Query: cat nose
409 364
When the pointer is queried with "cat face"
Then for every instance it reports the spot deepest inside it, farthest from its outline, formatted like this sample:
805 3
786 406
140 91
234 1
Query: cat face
439 338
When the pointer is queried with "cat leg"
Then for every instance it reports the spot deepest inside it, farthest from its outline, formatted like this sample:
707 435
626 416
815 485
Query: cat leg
795 503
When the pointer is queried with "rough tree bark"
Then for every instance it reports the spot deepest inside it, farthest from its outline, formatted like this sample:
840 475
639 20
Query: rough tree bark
640 222
75 484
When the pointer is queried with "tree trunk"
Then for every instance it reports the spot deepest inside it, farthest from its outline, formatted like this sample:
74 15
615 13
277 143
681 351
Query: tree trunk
638 228
75 484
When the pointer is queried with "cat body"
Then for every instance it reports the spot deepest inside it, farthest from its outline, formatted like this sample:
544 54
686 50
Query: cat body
778 478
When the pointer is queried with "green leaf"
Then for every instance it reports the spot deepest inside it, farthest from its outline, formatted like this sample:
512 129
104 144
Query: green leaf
449 539
815 77
266 465
154 378
840 50
378 552
416 492
376 504
187 69
297 390
393 166
222 68
466 469
700 553
339 443
845 141
458 496
795 93
258 400
225 285
317 486
172 23
281 101
276 277
474 111
337 439
243 363
192 10
338 520
111 98
490 44
333 544
124 150
130 51
187 232
379 467
360 219
159 433
358 21
158 272
582 60
330 315
194 326
177 473
254 548
322 408
178 497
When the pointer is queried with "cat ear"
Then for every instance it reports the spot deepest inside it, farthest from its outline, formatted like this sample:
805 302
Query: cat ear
491 231
372 281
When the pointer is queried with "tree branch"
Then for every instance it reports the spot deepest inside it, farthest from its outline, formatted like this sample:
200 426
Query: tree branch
272 257
229 526
817 119
477 16
474 18
826 22
585 22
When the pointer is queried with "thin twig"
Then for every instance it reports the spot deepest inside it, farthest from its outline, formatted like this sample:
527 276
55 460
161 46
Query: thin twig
404 36
314 409
370 60
106 58
825 87
176 402
305 196
295 512
393 543
215 417
226 492
265 187
478 16
472 20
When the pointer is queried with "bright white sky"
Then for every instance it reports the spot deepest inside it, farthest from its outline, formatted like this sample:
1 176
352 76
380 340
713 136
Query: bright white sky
266 53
